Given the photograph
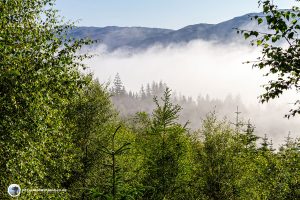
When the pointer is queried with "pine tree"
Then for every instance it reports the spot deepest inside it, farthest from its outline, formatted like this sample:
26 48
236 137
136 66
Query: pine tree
142 93
265 144
148 90
118 88
113 152
250 137
165 148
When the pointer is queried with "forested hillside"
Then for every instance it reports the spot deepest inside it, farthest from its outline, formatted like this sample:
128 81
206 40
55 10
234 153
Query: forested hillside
61 137
140 38
195 110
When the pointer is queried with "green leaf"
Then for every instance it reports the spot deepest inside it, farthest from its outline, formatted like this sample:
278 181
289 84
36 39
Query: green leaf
255 33
291 35
274 39
259 42
287 16
246 35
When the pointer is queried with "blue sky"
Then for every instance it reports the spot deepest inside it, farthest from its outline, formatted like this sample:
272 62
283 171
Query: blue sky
172 14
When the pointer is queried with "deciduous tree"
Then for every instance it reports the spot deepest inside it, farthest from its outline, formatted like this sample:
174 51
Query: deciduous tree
39 76
280 50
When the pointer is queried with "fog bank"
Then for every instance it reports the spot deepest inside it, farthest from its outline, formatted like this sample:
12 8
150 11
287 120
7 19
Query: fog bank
200 68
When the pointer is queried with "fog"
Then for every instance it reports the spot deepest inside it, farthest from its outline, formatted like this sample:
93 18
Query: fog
204 68
198 67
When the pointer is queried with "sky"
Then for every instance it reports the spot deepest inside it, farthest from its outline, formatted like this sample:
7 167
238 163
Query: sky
173 14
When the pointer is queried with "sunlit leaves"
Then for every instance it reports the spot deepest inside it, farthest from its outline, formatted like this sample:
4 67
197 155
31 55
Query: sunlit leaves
39 76
280 49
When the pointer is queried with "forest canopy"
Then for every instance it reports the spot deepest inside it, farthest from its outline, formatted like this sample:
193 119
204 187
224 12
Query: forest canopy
59 130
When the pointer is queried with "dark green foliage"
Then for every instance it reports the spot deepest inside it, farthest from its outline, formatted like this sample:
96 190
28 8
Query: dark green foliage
90 116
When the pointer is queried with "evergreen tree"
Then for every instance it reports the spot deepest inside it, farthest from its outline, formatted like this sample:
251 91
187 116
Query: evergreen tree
265 144
148 91
165 151
118 88
250 138
142 93
219 161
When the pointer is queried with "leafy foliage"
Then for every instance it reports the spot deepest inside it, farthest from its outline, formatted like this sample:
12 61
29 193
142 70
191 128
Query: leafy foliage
90 117
280 50
39 76
58 127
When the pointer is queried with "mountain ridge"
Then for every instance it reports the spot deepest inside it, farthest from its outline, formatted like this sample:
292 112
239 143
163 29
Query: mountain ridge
138 37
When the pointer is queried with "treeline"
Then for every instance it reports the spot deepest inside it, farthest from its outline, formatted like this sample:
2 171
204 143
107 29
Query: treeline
128 102
268 120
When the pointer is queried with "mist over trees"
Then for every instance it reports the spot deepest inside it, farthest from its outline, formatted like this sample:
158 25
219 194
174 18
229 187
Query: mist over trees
195 110
61 137
128 102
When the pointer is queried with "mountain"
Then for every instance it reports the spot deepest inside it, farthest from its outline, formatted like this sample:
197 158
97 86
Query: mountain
141 37
115 37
